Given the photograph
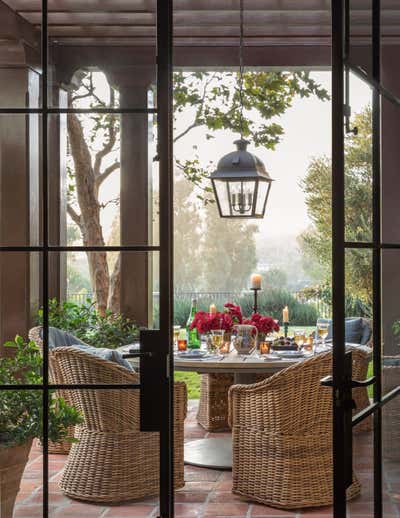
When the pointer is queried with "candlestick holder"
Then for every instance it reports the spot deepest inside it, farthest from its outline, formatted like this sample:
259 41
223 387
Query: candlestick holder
286 328
255 303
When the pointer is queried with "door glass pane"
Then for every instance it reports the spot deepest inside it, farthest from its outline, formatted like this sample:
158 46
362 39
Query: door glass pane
20 180
20 58
390 442
360 34
363 472
358 163
390 177
93 40
103 180
390 15
102 300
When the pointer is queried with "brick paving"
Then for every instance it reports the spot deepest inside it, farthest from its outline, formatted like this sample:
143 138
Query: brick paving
207 493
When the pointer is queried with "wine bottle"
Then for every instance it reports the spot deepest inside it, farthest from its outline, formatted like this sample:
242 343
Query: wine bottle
193 334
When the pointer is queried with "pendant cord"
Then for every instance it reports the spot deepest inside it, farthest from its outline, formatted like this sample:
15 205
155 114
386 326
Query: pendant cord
241 67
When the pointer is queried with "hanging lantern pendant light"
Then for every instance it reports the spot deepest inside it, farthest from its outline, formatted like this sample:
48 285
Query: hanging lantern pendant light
241 183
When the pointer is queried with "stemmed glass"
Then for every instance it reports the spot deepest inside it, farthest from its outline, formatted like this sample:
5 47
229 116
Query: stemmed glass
322 331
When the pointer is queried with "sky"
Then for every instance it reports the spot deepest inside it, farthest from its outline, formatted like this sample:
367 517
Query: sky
307 126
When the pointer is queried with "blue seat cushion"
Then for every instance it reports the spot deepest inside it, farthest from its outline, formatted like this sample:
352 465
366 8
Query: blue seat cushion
59 338
356 330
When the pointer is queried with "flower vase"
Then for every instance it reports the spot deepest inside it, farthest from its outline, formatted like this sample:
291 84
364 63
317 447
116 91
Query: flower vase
261 338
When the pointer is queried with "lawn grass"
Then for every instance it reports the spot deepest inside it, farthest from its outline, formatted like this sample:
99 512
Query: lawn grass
192 380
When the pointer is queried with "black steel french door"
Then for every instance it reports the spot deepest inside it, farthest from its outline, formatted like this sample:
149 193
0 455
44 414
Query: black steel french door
156 380
363 60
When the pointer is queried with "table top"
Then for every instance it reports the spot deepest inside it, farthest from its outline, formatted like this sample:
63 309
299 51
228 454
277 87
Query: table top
232 363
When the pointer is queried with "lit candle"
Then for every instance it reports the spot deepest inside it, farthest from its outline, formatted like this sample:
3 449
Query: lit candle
285 315
213 309
255 280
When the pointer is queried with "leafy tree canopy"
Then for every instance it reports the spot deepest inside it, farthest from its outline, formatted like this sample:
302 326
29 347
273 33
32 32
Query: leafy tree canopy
316 242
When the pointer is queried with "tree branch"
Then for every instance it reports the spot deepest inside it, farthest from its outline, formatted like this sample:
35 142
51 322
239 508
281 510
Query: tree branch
106 173
107 148
74 215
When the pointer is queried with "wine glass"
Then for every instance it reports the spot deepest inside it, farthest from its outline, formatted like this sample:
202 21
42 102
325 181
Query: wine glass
322 331
176 335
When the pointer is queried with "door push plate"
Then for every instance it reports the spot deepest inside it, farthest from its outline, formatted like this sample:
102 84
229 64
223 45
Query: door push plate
153 380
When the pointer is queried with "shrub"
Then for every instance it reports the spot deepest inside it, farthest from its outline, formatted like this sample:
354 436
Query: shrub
270 302
21 416
83 321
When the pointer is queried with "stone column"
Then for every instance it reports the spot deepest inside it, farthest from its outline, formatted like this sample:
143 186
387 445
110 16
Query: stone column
136 195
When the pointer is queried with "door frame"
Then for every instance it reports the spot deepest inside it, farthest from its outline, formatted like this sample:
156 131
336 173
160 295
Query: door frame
342 432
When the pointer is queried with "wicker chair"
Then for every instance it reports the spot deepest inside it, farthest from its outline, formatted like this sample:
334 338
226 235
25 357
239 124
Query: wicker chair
112 461
63 447
282 437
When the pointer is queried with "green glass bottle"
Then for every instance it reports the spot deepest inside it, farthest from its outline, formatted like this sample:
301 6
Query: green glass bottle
193 334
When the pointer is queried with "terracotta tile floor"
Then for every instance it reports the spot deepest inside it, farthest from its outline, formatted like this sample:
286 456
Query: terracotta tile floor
207 493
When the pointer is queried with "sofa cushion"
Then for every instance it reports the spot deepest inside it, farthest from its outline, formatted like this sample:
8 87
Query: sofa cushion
354 330
59 338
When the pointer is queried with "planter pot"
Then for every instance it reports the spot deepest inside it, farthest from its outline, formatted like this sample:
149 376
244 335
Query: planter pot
13 460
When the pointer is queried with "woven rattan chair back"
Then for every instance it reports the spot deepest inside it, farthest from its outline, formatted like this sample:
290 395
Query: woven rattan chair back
282 437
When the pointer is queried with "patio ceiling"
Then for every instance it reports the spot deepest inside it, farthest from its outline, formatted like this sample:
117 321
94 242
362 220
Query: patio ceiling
203 23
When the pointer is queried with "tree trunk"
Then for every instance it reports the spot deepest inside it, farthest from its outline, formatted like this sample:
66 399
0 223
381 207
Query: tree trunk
90 226
114 297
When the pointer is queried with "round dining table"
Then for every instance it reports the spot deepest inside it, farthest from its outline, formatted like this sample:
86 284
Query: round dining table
215 452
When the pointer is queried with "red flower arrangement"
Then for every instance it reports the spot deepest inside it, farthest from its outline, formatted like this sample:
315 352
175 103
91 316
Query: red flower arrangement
205 322
234 311
264 324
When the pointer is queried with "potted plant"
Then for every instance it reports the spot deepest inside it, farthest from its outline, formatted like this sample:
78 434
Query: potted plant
21 417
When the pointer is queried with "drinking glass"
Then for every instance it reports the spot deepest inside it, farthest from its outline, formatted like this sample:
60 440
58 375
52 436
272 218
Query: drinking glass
299 338
322 331
309 344
176 335
182 340
217 338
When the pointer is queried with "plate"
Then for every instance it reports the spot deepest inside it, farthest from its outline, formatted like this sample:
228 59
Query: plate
192 354
290 354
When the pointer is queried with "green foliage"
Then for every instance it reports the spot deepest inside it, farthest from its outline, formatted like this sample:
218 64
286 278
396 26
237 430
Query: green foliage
213 100
84 321
270 302
21 416
316 243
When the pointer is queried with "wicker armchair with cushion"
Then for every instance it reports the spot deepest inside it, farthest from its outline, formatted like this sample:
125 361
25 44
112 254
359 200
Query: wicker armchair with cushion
112 461
282 437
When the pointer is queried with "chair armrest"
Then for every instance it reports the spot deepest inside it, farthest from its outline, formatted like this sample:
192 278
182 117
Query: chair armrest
180 400
248 404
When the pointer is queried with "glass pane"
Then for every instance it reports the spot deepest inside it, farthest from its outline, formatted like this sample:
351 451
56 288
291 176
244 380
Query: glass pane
104 54
29 497
360 34
390 444
102 299
363 472
358 303
390 176
390 305
358 163
21 298
103 181
20 75
390 32
20 180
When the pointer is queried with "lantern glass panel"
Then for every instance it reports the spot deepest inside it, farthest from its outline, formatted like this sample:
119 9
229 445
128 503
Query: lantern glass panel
242 197
222 192
261 197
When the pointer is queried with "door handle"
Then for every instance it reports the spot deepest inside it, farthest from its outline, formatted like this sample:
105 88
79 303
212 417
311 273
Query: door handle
328 382
136 355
